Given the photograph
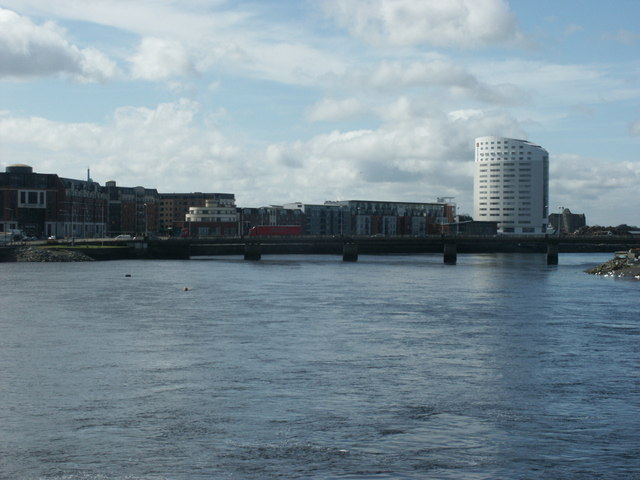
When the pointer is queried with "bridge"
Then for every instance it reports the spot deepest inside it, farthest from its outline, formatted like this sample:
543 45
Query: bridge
449 245
253 248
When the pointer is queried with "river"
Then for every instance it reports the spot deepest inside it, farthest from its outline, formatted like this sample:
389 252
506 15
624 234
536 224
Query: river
393 367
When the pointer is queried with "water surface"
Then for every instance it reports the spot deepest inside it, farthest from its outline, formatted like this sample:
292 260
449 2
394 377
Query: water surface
308 367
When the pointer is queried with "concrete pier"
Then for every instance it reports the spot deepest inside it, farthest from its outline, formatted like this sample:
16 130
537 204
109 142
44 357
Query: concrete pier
552 251
450 251
252 251
349 252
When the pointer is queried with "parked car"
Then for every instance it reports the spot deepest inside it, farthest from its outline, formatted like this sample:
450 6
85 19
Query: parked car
124 237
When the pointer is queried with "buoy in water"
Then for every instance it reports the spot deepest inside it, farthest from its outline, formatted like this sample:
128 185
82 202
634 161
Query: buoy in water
186 289
128 275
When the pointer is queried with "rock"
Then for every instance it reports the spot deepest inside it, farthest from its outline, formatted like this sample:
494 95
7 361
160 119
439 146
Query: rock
35 254
618 267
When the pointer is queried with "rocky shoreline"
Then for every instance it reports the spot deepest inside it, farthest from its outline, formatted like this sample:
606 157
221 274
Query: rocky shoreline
622 266
36 254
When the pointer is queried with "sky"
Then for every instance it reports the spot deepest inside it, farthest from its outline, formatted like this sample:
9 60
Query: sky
281 101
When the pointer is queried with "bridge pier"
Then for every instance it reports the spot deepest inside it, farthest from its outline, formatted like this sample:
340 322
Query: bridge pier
252 251
450 251
349 252
552 251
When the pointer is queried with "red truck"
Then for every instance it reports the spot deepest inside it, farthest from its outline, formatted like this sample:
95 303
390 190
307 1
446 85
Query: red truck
275 230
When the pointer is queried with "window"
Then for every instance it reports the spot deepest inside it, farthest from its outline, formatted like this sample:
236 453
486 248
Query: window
32 199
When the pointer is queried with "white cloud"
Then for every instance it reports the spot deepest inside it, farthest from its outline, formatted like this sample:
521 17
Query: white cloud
452 78
166 147
593 186
180 38
572 28
158 59
624 37
332 109
409 158
30 50
553 87
444 23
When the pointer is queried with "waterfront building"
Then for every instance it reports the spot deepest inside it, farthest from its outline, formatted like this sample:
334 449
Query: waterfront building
511 184
217 217
320 219
272 215
82 213
173 208
43 204
131 210
374 217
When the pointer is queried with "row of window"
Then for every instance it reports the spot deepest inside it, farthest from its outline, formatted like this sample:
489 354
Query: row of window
506 146
484 170
507 215
506 180
506 175
504 164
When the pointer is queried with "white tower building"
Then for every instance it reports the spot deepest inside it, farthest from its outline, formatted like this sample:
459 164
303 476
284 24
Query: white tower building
511 184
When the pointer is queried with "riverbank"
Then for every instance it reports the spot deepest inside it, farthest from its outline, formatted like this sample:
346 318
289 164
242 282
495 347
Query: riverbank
620 266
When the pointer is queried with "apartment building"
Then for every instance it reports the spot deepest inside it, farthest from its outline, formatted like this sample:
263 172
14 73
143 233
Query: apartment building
174 207
511 184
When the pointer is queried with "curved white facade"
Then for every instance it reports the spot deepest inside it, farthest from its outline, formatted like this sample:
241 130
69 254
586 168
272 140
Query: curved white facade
511 184
213 211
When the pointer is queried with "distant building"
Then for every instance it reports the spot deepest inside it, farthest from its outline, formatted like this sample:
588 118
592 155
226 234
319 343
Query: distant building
131 210
83 209
567 222
365 217
320 219
397 218
511 184
43 204
270 215
217 218
173 208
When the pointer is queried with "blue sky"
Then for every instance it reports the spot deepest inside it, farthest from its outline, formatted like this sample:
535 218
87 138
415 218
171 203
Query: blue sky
281 101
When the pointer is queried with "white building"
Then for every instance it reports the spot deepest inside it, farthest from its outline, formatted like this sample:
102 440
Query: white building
511 184
217 217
